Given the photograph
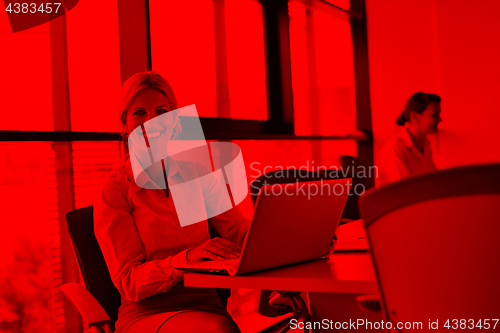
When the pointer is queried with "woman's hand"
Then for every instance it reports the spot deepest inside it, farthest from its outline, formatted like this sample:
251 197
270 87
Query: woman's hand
216 249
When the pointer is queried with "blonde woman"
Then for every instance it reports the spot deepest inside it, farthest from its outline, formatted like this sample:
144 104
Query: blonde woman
138 230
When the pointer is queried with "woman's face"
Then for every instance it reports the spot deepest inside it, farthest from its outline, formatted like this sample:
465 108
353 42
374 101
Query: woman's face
148 104
429 120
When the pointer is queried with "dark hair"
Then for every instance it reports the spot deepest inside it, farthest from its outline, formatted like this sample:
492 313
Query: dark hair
417 103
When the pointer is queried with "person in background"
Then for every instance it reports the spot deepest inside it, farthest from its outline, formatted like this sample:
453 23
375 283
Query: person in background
409 152
138 229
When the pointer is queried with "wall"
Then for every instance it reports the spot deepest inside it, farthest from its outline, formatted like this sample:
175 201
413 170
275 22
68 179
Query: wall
440 46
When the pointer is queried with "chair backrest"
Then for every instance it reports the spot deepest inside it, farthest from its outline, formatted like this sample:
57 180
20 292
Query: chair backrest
93 266
362 168
434 244
91 261
293 175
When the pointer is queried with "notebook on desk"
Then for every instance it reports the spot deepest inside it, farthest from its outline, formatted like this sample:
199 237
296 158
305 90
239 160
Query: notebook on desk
351 237
292 223
359 244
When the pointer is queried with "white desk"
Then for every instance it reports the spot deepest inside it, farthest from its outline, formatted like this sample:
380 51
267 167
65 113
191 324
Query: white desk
345 273
342 273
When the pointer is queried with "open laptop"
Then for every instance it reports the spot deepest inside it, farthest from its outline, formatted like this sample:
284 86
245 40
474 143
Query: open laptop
292 223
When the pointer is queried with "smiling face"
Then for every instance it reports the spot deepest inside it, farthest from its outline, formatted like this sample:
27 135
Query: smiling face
427 122
148 104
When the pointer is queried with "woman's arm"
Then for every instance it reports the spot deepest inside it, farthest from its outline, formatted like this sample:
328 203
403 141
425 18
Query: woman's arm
231 224
134 277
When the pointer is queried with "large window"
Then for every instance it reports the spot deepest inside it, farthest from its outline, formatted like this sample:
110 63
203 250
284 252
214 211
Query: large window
93 66
41 180
28 207
344 4
25 84
275 77
322 73
35 183
212 53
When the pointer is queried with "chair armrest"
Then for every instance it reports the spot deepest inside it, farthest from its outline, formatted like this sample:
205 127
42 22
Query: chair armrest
264 308
369 303
88 307
279 301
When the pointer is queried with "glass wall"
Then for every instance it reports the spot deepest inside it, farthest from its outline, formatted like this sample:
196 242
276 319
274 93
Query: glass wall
322 73
25 83
35 181
212 53
93 66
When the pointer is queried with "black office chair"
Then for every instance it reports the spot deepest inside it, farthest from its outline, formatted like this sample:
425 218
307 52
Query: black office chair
363 178
95 274
99 304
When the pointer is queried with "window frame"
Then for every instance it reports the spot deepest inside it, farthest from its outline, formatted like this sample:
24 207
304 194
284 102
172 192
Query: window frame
135 56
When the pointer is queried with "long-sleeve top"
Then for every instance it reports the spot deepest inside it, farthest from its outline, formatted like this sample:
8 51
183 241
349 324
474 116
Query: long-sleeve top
141 238
399 159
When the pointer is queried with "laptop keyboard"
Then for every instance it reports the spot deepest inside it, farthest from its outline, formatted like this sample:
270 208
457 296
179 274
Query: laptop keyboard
217 263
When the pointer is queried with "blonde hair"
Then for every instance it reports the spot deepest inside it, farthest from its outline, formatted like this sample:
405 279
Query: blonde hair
135 85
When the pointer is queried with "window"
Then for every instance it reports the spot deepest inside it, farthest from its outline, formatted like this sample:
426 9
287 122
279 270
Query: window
212 55
344 4
322 73
261 156
215 53
26 84
92 162
93 66
31 271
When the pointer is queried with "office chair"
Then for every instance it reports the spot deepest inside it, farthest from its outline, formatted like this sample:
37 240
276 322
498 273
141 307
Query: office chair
359 164
354 167
101 298
434 244
99 303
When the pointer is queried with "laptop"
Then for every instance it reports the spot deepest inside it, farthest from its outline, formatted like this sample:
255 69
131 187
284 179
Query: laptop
293 222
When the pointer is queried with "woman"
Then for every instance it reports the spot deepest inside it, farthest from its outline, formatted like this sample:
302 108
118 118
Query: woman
409 153
138 229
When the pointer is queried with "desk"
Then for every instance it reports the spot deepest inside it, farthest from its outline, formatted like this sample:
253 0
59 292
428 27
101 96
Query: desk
347 272
333 282
342 273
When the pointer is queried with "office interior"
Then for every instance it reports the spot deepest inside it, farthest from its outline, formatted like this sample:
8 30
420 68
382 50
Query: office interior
293 83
